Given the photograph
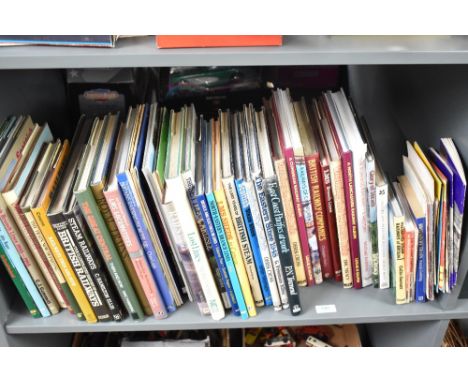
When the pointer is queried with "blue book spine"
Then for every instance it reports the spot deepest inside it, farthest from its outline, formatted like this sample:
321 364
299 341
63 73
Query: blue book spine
420 291
223 243
247 214
146 242
216 247
14 257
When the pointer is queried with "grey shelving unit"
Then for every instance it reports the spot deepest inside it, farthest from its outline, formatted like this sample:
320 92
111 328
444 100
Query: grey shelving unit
407 87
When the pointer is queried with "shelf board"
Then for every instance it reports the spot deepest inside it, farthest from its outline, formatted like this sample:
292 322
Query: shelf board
296 50
368 305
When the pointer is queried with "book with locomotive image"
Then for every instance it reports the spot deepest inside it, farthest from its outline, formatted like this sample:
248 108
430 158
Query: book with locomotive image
97 159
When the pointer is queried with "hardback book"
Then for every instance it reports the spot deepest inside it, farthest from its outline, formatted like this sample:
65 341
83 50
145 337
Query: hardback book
307 134
62 217
200 41
107 235
253 170
397 243
154 170
277 218
235 208
333 155
11 170
315 116
350 130
450 154
418 173
11 193
286 195
209 210
175 192
244 143
8 253
294 155
377 203
98 41
95 236
192 164
216 193
53 154
125 147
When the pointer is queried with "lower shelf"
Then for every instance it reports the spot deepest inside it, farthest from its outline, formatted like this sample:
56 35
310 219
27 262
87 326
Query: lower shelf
368 305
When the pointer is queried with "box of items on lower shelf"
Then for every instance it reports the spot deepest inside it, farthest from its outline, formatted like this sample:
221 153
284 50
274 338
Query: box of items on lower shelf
235 206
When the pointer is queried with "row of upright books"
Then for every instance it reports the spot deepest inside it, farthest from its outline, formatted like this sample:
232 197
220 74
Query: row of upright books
233 212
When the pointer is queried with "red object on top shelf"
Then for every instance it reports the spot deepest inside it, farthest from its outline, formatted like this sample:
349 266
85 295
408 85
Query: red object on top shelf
204 41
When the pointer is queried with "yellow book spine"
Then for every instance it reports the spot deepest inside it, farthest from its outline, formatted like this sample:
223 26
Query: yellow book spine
290 217
49 234
98 192
235 251
400 275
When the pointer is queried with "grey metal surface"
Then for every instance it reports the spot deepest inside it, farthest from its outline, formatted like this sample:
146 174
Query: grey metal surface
296 50
352 306
425 333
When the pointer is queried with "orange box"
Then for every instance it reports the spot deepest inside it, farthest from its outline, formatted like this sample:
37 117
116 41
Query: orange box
209 41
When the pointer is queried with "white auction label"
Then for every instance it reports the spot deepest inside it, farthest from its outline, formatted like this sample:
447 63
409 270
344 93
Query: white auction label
325 308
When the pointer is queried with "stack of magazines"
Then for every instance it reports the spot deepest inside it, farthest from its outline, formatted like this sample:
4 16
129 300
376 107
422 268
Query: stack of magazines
233 213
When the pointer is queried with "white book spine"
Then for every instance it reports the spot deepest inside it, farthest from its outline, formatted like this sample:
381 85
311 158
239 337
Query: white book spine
382 235
175 192
263 244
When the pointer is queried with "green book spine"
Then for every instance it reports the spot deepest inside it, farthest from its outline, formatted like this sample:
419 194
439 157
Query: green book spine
109 252
19 284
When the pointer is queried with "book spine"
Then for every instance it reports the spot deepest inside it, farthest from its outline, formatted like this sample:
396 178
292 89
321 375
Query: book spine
263 244
215 259
330 220
373 243
176 191
275 207
237 258
64 233
272 245
122 220
382 236
146 242
443 256
19 283
209 210
398 225
301 226
339 201
241 233
253 239
90 253
124 277
39 255
319 216
408 246
294 241
350 200
420 291
49 258
82 308
27 259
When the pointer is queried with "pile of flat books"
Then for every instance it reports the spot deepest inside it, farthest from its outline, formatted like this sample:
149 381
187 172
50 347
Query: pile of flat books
233 213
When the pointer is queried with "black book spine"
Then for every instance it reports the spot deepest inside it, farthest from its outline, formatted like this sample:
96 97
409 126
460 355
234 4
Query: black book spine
61 227
275 207
91 254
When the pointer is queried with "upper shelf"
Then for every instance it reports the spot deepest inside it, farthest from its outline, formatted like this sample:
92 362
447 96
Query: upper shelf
368 305
296 50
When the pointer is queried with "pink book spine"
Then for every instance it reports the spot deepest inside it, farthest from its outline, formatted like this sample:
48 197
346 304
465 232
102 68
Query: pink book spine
301 226
350 200
129 236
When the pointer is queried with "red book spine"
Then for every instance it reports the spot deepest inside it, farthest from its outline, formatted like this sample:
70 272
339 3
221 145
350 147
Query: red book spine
331 221
301 226
350 200
318 208
200 41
